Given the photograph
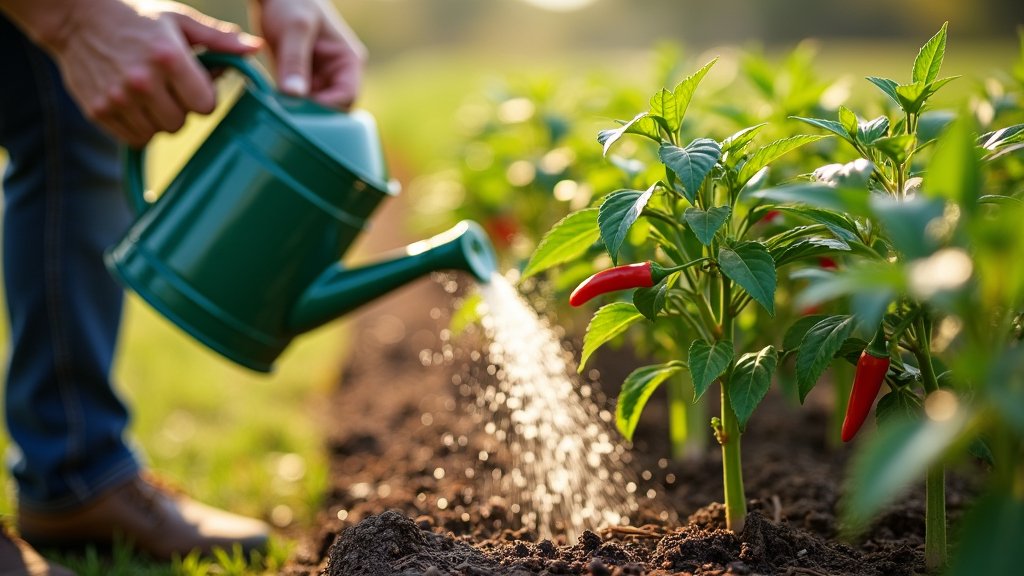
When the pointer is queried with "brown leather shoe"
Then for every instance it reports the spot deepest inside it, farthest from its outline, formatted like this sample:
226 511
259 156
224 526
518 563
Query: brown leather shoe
17 558
153 519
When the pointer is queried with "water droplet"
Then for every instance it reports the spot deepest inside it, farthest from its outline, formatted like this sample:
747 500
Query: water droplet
281 516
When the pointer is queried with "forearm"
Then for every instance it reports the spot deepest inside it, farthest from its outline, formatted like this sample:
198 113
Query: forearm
47 22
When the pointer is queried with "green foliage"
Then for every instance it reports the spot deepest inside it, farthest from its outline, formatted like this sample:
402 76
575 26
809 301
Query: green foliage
708 361
636 390
705 223
567 240
692 164
751 266
819 345
617 214
610 321
749 382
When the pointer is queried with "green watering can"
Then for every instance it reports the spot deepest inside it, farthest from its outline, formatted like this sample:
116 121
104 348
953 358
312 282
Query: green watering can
242 250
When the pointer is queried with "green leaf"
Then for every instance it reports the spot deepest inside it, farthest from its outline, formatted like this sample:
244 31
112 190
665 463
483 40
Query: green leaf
808 248
650 301
707 362
894 147
830 125
929 59
887 86
850 201
898 406
750 380
891 460
906 223
912 97
1005 385
751 266
608 322
1002 137
871 130
771 152
683 91
636 390
954 172
838 224
795 334
848 119
705 223
989 537
739 140
980 449
691 164
567 240
818 347
878 278
617 214
641 124
663 104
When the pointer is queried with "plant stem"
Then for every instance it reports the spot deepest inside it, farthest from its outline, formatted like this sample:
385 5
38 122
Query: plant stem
935 519
732 464
935 485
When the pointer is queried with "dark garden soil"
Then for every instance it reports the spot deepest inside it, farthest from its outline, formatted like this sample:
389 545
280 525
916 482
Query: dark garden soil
406 496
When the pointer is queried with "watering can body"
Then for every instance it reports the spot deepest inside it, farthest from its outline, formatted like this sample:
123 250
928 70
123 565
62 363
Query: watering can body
242 250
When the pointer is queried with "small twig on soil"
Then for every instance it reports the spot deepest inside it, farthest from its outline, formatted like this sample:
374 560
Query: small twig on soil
777 505
632 531
801 570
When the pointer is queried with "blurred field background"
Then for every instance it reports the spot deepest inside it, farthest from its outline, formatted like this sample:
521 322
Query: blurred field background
251 443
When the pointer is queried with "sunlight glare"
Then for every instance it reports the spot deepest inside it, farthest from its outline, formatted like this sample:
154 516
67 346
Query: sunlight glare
560 5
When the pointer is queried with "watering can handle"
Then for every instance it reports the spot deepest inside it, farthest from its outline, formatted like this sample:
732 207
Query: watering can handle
134 159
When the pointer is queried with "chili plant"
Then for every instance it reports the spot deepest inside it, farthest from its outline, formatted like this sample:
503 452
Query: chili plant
708 266
912 211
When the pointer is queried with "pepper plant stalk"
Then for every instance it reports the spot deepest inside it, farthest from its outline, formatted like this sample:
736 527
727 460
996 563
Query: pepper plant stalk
935 554
729 436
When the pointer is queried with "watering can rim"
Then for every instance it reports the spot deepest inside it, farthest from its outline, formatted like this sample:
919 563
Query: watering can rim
284 107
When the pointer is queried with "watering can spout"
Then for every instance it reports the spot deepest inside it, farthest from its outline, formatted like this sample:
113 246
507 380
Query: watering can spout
339 290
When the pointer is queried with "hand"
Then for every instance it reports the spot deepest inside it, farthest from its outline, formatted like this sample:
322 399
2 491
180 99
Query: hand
315 52
129 63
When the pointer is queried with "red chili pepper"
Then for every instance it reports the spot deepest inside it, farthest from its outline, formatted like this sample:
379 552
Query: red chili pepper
771 217
639 275
871 369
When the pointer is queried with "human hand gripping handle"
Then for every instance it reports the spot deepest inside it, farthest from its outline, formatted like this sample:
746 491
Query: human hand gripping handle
314 51
130 63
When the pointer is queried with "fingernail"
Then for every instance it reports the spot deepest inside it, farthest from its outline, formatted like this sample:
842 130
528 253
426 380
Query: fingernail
250 40
294 85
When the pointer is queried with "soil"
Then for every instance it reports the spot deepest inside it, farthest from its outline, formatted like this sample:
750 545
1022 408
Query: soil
408 494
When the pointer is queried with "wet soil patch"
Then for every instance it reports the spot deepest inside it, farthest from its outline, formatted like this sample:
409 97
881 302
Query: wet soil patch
409 493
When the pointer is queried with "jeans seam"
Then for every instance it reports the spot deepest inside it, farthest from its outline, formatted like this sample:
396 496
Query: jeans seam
52 238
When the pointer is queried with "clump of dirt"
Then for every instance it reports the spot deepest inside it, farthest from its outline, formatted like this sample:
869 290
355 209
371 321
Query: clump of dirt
391 544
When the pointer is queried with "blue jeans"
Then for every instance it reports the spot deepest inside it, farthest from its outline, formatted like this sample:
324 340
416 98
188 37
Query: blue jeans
62 207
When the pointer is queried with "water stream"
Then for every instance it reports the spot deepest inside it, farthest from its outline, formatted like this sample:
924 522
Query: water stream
569 467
